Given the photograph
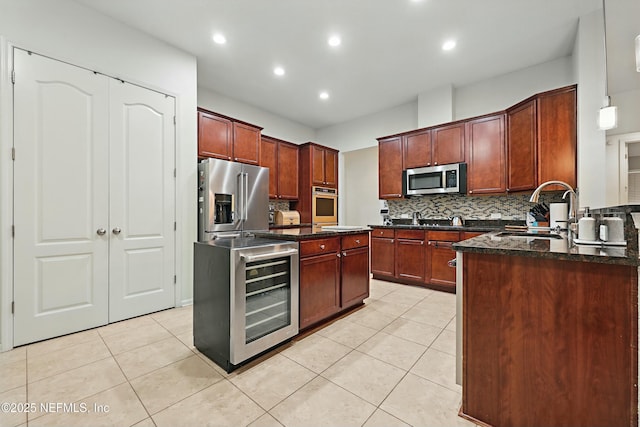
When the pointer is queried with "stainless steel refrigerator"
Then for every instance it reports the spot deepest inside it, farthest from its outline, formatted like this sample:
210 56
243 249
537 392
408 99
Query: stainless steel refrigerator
233 198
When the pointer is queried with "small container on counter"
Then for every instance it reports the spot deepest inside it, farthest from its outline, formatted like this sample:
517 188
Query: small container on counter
587 227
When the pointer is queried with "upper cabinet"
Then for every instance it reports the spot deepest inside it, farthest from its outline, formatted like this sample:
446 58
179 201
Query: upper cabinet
486 155
390 167
557 141
281 158
417 149
324 166
228 139
448 144
521 147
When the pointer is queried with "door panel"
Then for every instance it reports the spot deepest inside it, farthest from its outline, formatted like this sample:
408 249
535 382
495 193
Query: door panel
60 198
142 201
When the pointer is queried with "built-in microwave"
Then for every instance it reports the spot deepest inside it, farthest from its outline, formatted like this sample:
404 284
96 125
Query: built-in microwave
441 179
324 206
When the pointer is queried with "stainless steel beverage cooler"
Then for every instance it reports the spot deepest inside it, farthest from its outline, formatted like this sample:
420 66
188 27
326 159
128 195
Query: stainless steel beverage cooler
245 297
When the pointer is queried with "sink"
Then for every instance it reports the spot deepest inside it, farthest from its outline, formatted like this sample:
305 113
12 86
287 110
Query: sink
543 235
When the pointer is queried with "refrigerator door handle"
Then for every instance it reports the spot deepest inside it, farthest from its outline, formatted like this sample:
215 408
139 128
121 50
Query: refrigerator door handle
245 195
240 207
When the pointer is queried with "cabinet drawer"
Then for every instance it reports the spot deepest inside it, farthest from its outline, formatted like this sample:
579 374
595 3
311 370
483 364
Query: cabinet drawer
383 232
444 236
355 241
319 246
410 234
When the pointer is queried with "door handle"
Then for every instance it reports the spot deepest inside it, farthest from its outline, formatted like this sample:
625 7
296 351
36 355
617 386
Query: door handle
116 230
101 231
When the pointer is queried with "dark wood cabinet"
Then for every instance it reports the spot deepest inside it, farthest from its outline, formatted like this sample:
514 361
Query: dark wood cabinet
215 136
439 253
225 138
410 255
383 252
448 144
324 170
334 276
281 158
354 278
319 279
549 342
417 149
246 143
486 155
521 147
556 131
390 168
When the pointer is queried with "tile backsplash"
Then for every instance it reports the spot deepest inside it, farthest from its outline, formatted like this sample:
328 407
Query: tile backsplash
442 206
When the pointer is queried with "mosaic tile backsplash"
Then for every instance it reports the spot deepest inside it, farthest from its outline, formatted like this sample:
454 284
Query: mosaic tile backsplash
442 206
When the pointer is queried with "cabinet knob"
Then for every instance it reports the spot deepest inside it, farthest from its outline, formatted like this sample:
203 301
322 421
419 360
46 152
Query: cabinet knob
322 247
116 230
435 163
470 191
344 254
429 164
101 231
338 255
358 241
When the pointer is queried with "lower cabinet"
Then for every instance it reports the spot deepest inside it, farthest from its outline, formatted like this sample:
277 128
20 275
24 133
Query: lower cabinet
334 276
415 257
409 255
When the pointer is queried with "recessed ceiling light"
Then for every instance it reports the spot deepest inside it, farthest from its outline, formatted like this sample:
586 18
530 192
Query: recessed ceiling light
334 41
324 95
449 45
219 38
278 71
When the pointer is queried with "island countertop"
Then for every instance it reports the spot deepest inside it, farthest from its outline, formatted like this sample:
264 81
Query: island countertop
306 233
540 247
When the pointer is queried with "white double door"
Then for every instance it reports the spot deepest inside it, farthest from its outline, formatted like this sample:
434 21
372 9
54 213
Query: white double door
94 199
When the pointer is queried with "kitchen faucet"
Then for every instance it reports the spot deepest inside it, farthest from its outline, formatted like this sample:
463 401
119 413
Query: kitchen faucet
573 198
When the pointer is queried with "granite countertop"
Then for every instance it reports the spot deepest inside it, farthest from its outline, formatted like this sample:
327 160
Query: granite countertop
305 233
444 225
538 247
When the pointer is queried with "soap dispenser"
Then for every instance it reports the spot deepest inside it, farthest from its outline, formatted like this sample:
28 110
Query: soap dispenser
587 227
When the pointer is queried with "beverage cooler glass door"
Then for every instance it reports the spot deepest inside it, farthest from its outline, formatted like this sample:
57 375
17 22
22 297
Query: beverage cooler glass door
265 311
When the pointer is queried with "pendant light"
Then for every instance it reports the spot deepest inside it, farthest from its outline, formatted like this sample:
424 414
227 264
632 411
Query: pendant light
608 115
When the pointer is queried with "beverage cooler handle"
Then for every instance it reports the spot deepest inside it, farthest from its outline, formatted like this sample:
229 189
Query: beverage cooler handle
262 257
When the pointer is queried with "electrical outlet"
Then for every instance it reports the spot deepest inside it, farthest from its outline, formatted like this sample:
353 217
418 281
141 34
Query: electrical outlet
496 216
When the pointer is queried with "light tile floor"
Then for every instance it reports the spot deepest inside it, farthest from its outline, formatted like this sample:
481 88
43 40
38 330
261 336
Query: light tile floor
389 363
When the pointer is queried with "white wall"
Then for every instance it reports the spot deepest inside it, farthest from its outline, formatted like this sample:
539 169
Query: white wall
628 104
361 188
68 31
503 91
275 126
435 106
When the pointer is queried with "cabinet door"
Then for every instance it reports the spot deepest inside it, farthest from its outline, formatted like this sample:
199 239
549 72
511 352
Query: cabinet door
440 253
319 288
417 149
521 147
383 256
214 136
448 144
355 276
269 159
486 156
410 259
287 171
557 136
390 168
330 168
246 143
317 165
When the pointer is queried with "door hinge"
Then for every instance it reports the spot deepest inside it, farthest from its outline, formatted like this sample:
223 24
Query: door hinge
174 120
175 279
13 231
175 172
13 76
13 307
175 225
13 153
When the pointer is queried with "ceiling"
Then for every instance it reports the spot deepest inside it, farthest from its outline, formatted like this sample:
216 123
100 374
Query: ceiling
390 51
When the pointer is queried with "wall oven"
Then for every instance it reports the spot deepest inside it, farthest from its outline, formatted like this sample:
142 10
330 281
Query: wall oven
245 297
324 206
435 180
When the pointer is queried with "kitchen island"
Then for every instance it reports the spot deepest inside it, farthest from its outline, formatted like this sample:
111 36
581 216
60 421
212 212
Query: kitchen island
334 270
549 331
